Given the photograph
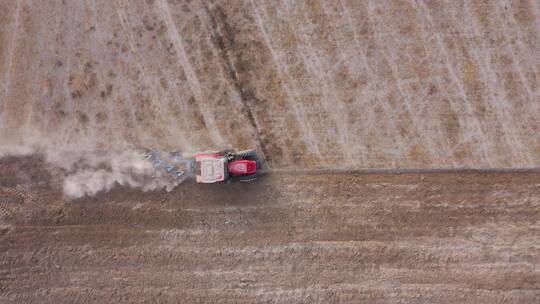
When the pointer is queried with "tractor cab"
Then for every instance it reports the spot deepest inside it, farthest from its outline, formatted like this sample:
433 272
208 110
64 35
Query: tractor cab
211 169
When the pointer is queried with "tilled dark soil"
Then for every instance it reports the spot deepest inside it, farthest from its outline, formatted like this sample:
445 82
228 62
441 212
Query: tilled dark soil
314 238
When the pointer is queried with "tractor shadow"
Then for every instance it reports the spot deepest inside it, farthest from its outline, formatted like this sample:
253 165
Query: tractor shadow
233 193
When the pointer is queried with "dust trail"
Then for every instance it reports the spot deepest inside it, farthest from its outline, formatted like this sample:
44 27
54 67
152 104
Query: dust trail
16 150
89 172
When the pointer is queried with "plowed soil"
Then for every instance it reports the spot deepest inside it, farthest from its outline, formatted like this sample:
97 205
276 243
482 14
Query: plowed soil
287 238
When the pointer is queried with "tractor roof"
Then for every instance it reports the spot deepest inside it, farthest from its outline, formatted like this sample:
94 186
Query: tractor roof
212 169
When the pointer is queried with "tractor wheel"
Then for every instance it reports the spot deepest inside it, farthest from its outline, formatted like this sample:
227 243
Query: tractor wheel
259 164
248 178
247 154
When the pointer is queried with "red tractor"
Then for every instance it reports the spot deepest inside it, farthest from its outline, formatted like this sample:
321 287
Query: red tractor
208 167
219 166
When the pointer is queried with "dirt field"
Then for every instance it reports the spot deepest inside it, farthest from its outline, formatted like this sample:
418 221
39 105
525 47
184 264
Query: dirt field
318 85
306 238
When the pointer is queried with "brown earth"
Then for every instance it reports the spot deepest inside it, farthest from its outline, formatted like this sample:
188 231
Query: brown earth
342 84
287 238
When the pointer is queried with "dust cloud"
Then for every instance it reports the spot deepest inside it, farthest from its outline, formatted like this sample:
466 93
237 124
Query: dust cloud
89 172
